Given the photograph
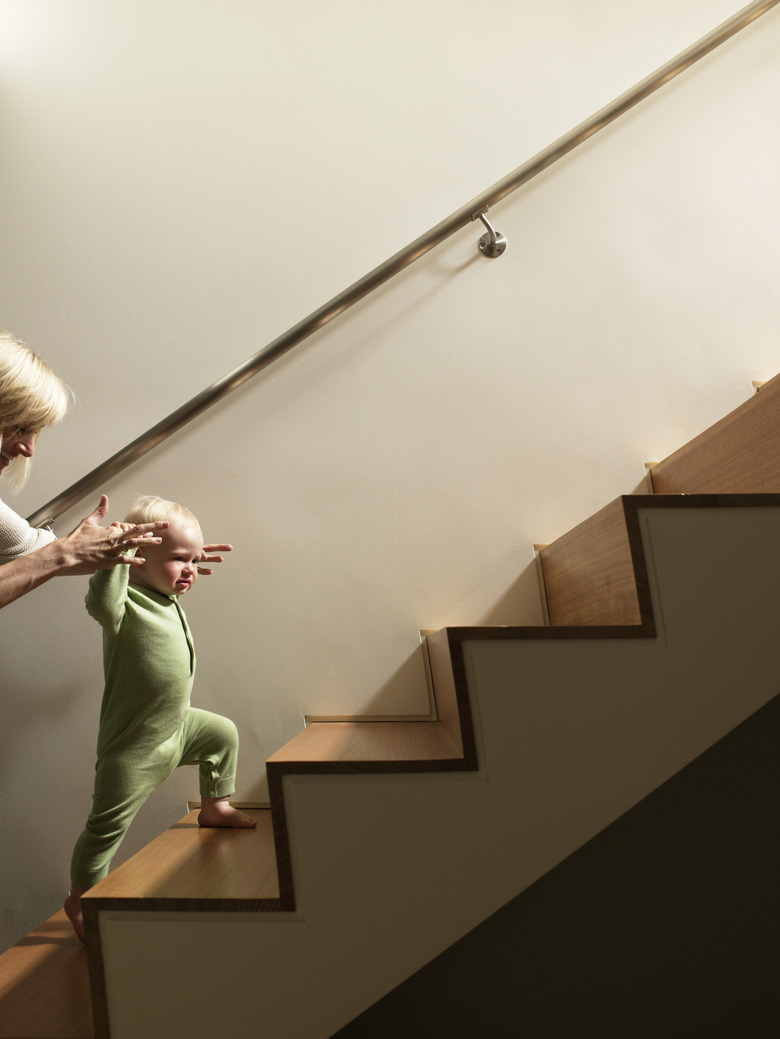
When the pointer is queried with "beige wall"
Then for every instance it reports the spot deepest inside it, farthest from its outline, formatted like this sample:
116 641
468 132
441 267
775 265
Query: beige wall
181 183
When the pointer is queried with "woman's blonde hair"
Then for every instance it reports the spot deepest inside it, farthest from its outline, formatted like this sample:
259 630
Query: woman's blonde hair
150 509
31 397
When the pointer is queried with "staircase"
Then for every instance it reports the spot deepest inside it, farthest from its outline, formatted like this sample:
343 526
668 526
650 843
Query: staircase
387 841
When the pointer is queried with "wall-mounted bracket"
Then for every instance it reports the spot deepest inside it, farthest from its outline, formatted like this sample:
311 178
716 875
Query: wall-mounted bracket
493 243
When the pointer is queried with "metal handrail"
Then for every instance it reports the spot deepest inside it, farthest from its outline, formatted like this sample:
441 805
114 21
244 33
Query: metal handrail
478 206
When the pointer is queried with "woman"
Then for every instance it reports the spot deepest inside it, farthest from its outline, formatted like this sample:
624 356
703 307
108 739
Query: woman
32 398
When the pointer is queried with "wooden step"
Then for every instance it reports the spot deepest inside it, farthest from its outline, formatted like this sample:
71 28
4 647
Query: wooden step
44 985
193 868
595 577
45 978
740 454
186 868
338 748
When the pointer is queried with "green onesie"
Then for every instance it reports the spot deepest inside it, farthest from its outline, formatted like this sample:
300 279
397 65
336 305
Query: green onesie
147 726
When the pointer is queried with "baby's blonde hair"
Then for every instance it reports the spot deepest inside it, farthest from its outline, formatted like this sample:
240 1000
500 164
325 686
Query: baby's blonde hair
148 508
31 397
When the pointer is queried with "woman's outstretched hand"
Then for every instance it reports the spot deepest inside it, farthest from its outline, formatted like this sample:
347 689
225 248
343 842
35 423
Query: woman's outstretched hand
90 547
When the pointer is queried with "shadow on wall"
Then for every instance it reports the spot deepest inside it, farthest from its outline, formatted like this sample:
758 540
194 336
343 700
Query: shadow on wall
519 605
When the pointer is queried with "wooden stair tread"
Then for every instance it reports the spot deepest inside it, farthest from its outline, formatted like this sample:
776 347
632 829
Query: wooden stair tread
197 868
341 743
44 985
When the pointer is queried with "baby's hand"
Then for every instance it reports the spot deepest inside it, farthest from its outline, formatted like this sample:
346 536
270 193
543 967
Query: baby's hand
207 558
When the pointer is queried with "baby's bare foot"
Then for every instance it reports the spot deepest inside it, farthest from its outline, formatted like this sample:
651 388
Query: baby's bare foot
73 911
218 811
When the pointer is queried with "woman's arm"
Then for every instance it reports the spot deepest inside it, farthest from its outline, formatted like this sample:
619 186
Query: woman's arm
22 575
86 549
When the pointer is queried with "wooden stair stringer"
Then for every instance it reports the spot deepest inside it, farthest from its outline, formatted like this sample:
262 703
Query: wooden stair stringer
179 881
368 748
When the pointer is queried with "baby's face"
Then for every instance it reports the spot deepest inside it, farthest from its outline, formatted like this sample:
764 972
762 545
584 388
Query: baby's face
170 568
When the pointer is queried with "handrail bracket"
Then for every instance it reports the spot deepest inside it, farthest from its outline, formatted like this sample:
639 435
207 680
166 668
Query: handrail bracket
493 243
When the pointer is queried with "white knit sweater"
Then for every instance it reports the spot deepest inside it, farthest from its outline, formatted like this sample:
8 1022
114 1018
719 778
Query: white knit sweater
17 537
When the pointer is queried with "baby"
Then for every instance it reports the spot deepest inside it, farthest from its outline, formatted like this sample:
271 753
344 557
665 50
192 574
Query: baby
147 726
